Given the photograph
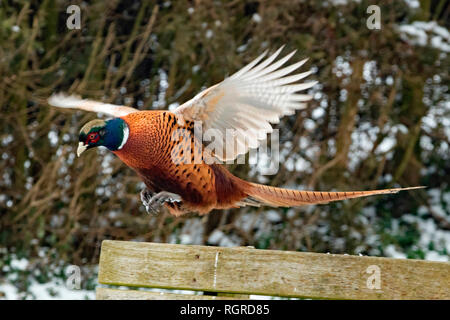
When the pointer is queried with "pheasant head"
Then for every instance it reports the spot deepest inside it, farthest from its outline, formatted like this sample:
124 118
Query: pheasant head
112 134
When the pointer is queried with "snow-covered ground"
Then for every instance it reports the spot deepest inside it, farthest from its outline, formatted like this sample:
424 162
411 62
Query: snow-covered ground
53 290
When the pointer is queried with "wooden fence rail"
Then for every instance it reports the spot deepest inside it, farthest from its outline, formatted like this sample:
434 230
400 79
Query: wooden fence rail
242 270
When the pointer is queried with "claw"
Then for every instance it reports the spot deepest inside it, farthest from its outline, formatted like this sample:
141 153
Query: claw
153 202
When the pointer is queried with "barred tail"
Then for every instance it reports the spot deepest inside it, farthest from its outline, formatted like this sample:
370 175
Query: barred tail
279 197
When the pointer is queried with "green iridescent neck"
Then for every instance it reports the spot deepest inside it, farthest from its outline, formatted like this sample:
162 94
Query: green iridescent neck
116 134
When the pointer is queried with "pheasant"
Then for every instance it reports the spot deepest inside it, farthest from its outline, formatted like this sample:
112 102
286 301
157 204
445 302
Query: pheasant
180 172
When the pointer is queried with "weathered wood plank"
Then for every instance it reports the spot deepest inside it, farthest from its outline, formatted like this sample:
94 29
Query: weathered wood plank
119 294
271 272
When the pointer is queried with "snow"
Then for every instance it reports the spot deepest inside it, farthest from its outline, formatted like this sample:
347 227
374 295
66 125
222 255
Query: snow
195 68
7 139
369 71
340 2
209 34
342 67
256 18
19 264
430 234
392 252
423 33
45 291
318 112
273 216
242 48
53 138
413 4
191 233
160 101
434 256
362 142
56 288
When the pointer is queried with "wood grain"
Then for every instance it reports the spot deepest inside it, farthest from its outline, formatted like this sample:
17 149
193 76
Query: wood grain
270 272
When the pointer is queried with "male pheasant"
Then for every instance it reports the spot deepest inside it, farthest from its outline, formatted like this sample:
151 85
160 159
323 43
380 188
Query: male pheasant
168 153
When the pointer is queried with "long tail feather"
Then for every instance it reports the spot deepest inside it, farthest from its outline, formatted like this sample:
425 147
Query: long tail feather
280 197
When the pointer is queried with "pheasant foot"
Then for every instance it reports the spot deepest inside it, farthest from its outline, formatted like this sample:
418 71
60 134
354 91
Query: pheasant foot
154 201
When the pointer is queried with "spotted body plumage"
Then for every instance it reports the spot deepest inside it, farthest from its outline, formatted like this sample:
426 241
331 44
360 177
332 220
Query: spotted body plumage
168 157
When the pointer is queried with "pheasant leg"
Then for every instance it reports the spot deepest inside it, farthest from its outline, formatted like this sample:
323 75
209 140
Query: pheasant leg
154 201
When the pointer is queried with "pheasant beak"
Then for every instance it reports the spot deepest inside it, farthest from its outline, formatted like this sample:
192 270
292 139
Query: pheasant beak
81 148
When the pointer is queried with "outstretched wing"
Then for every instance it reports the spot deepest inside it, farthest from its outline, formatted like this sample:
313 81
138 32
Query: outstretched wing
248 102
74 102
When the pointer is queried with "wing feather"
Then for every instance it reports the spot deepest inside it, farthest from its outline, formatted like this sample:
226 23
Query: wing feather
60 100
248 102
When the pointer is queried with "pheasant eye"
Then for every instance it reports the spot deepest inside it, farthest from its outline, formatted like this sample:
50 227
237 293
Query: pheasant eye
93 137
